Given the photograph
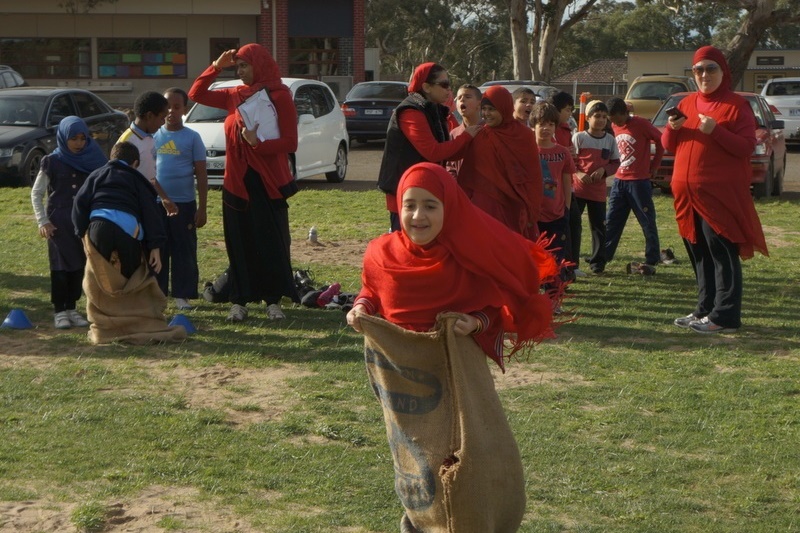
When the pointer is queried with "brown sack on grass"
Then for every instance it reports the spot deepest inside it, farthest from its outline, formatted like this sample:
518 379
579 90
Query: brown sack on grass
126 310
457 465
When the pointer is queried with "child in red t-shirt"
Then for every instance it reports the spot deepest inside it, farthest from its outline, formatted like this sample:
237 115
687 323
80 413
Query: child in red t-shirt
557 170
632 190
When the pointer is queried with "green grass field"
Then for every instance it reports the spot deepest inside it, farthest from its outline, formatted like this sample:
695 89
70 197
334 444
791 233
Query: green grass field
625 422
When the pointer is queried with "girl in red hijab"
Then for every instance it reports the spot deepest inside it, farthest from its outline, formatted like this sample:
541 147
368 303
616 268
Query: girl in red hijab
451 256
257 182
501 172
711 185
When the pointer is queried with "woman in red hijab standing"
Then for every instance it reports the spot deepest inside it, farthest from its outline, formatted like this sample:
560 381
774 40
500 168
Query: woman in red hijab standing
716 217
419 131
501 172
257 181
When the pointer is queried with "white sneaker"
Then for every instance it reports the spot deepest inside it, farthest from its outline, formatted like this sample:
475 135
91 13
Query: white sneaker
61 320
75 319
579 273
237 313
183 304
274 312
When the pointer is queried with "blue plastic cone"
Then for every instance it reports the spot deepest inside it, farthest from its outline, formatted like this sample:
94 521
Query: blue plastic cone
16 319
181 320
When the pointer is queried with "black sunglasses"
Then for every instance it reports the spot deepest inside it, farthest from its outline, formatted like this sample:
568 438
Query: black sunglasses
443 84
708 69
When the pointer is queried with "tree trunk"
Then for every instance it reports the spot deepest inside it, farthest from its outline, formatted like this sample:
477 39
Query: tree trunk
518 15
741 47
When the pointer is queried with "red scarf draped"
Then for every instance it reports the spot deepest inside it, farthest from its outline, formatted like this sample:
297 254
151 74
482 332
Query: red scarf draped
501 172
475 262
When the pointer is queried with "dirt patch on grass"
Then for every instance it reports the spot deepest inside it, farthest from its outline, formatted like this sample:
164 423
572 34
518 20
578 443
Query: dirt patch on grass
518 375
342 253
154 509
246 396
778 237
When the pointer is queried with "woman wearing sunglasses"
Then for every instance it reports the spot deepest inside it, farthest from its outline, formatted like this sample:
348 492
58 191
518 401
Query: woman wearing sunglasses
712 138
419 132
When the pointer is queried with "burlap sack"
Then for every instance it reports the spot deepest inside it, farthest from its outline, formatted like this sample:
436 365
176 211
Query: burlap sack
457 465
120 309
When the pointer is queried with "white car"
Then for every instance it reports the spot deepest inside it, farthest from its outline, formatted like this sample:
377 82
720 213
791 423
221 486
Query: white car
322 140
783 97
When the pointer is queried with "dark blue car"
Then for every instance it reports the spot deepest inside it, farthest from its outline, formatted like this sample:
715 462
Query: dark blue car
368 107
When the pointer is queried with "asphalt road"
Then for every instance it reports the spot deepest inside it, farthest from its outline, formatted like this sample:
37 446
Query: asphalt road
365 160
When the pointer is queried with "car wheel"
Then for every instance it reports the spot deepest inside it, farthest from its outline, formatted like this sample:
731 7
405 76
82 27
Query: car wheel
338 175
777 187
30 168
764 190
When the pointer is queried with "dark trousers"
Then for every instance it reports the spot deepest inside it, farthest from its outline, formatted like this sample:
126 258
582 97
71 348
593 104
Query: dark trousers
107 237
179 255
636 196
718 270
597 225
65 289
558 230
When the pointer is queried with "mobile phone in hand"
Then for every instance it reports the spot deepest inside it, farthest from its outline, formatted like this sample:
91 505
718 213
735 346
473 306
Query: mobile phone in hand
675 113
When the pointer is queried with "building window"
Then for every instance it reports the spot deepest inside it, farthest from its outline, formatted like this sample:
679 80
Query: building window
769 60
141 58
219 45
312 57
48 58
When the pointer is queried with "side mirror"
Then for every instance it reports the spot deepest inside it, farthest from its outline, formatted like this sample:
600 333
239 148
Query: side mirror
305 119
777 125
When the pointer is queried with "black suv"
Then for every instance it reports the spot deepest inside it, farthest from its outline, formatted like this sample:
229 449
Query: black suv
10 78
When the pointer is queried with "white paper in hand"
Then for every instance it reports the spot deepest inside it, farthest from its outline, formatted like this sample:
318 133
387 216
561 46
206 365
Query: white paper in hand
259 110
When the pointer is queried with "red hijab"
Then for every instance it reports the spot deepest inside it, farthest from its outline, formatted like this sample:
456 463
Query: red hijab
265 70
710 53
475 262
420 76
503 163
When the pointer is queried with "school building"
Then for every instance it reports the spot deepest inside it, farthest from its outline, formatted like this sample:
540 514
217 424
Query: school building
121 48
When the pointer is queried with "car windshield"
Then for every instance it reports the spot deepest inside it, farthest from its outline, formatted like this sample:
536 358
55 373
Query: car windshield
655 90
660 120
388 91
204 113
21 110
783 88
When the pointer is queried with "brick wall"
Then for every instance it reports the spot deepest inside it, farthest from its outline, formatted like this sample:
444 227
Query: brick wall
281 53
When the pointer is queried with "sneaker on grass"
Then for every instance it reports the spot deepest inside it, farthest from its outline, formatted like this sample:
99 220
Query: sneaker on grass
237 313
61 320
706 326
274 312
183 304
686 321
76 320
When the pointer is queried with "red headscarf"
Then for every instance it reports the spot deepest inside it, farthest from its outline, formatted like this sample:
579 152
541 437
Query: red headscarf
265 70
710 53
475 262
420 76
503 163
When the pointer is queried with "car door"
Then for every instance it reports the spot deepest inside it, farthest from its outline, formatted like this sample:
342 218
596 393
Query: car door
60 106
309 135
97 118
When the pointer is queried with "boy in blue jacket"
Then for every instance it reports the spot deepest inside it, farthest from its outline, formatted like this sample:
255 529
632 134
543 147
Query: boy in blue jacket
117 207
